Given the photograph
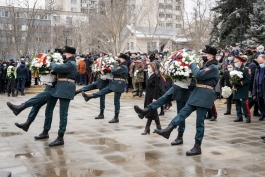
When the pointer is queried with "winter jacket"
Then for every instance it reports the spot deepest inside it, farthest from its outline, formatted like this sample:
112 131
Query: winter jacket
81 67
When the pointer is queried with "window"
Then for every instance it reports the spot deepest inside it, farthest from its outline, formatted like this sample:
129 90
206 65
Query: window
169 1
4 13
73 9
132 46
161 24
84 10
83 1
24 27
69 20
168 6
17 15
73 1
177 7
45 17
56 18
169 15
161 15
178 16
178 25
161 1
169 25
179 1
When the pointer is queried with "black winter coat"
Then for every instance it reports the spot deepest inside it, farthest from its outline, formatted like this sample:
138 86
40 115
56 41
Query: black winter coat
256 88
152 92
224 81
252 66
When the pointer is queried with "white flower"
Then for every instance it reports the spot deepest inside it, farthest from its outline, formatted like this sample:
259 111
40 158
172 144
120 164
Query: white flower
226 92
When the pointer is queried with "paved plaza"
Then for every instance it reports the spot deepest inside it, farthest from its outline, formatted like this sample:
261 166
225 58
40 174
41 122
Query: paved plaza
96 148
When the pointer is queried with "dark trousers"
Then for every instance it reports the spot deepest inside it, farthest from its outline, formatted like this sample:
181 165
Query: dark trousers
185 112
21 85
89 77
11 86
117 97
261 102
4 86
165 99
254 103
82 79
64 105
35 110
242 104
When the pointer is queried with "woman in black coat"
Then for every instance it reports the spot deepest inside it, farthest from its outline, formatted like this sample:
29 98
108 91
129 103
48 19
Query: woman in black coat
152 94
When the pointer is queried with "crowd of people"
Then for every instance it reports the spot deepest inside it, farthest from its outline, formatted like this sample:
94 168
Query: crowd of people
142 73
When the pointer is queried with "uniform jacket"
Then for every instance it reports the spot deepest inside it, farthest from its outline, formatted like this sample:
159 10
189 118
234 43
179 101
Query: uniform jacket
206 75
152 92
224 81
137 65
180 94
81 67
242 90
65 89
119 72
22 72
256 90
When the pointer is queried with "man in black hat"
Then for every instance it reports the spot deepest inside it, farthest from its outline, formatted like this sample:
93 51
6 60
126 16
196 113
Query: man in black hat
207 77
117 86
64 91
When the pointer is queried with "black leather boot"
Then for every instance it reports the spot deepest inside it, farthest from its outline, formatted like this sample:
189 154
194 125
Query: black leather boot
161 111
140 94
227 113
262 137
24 126
101 115
59 140
208 116
178 140
256 114
165 132
261 117
43 135
136 94
115 119
146 130
238 120
87 97
141 112
196 150
213 118
248 120
16 109
158 125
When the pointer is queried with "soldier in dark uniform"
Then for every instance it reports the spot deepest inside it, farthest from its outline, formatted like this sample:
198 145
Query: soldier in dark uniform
100 84
64 91
207 78
118 84
241 94
181 95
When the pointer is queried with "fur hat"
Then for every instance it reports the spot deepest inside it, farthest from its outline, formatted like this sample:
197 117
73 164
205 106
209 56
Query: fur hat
123 56
68 49
209 50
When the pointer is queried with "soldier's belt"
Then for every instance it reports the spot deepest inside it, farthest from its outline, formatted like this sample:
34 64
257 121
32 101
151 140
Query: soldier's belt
204 86
119 79
65 79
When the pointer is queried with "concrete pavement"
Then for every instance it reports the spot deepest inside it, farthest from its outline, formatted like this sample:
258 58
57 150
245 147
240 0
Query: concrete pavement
97 148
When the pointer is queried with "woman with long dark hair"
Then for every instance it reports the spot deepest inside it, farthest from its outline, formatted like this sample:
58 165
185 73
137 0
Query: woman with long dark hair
152 94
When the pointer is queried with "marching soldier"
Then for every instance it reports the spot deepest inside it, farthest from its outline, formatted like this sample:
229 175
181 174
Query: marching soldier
64 91
101 83
137 74
241 94
207 78
117 86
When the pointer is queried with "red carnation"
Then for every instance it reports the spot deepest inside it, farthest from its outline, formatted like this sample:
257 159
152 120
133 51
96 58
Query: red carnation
108 69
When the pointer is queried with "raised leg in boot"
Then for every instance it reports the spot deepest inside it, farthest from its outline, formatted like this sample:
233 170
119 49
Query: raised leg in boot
16 109
141 112
24 126
147 127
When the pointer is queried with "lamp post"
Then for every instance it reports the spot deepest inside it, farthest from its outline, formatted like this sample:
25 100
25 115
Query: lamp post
66 33
241 11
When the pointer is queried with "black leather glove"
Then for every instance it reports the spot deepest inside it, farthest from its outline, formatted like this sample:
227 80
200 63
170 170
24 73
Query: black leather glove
77 92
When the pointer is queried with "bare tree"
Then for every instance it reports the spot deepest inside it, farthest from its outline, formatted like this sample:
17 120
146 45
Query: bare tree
196 25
